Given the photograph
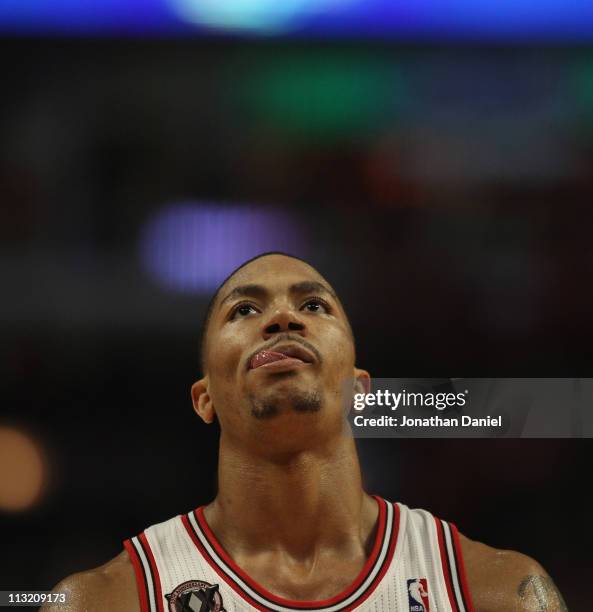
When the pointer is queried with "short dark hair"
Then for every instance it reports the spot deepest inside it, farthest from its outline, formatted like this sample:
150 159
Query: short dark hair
210 307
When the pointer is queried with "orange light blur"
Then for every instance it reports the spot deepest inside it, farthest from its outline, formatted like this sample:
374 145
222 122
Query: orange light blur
22 470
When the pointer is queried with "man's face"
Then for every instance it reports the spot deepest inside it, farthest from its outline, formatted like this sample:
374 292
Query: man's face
279 349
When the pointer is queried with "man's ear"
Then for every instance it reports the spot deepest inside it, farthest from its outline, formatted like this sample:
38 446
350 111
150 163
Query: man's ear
362 383
202 401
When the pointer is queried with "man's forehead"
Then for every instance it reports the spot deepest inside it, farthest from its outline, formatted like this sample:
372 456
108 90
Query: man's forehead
274 272
273 265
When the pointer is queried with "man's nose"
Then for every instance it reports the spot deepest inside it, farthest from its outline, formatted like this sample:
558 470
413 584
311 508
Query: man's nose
283 320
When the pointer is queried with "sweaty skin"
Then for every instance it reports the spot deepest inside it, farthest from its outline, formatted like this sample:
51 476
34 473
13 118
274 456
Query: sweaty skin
290 508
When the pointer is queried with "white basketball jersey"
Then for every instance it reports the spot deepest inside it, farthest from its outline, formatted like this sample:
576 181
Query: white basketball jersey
415 566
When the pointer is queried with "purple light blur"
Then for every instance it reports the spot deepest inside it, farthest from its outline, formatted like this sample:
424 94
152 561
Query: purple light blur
192 247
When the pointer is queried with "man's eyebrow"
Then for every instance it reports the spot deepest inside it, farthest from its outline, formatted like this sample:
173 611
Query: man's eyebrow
245 291
312 287
261 292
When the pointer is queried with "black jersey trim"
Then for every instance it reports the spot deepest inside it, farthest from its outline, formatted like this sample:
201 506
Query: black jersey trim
457 568
140 575
145 561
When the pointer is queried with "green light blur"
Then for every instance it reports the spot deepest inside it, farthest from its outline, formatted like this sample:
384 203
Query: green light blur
584 90
327 94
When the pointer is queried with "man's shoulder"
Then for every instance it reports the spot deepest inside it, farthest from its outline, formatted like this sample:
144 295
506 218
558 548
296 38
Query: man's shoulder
111 586
507 580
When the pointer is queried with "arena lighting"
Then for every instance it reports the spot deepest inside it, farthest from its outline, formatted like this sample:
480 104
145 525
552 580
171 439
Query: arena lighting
267 16
421 20
22 470
191 247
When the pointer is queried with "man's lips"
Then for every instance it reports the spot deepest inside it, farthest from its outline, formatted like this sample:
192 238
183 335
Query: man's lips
293 354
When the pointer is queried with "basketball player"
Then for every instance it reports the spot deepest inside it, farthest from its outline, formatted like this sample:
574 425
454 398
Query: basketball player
291 527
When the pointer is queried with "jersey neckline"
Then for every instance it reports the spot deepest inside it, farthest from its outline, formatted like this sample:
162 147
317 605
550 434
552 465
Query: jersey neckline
258 596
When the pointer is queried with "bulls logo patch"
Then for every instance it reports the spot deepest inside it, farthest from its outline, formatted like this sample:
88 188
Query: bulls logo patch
195 596
418 595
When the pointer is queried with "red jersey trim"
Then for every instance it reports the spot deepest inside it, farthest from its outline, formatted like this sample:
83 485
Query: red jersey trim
445 564
462 574
140 579
155 572
386 562
288 602
280 601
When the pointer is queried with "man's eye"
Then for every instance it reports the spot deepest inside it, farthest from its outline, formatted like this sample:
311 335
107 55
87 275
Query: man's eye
316 305
242 310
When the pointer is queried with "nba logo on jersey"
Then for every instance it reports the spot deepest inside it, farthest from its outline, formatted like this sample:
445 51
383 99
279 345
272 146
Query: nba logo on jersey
418 595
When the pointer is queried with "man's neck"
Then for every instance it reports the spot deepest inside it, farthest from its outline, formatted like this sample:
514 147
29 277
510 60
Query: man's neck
299 505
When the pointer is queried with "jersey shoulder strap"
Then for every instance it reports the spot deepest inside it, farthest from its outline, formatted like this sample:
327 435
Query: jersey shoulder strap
166 561
146 571
433 548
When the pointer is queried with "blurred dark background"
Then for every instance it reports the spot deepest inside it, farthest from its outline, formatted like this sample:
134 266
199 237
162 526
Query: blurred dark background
445 190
